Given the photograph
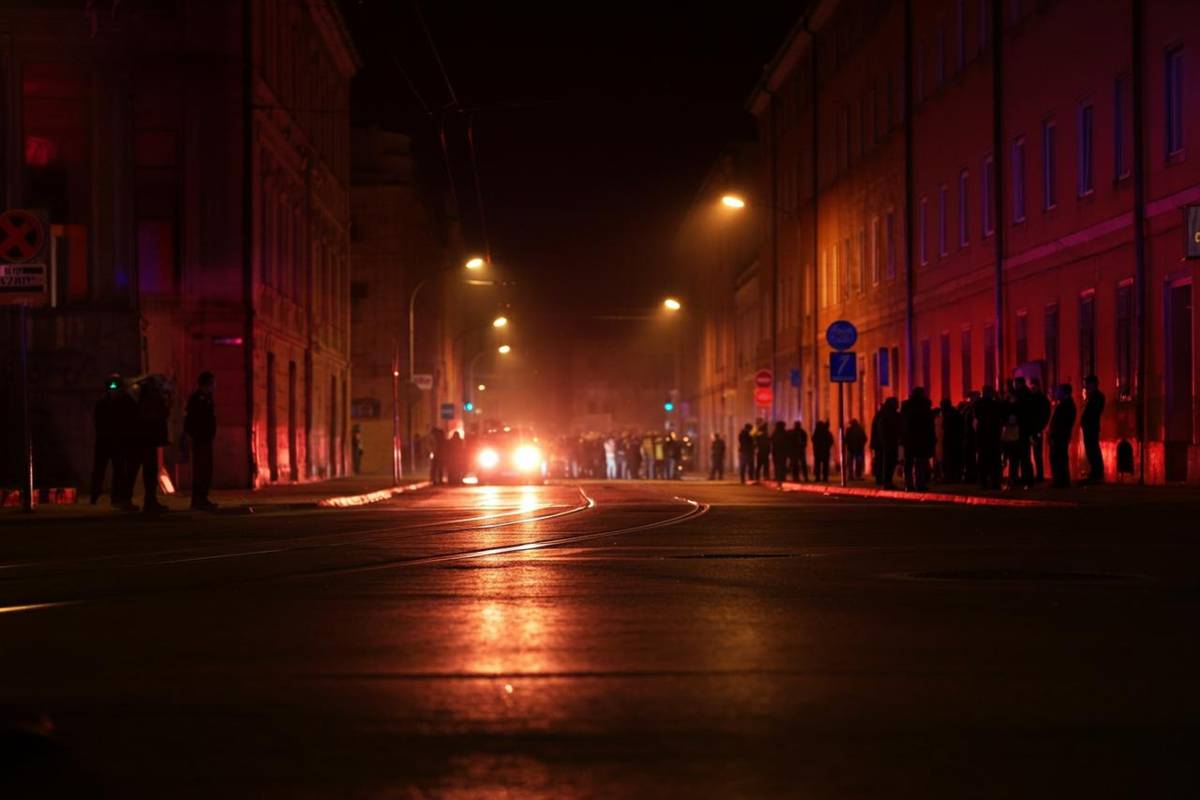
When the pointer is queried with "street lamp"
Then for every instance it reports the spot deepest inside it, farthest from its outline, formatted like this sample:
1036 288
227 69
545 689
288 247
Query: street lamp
733 201
499 322
503 349
482 387
671 304
475 263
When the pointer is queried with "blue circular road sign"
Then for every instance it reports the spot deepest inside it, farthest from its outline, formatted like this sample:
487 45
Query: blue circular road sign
841 335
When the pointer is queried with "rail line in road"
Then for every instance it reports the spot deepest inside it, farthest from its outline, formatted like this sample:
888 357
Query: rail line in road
343 537
694 509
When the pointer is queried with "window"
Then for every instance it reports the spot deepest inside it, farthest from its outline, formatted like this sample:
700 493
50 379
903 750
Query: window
921 243
985 24
965 356
890 119
847 257
1125 340
862 262
1018 179
1014 12
1087 334
876 251
891 245
964 228
939 67
989 355
1022 336
1174 100
1084 182
944 346
926 367
960 37
943 246
824 280
985 197
1050 342
1122 127
1049 164
871 116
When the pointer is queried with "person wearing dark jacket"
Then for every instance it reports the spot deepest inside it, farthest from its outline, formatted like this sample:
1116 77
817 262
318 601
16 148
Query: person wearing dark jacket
717 457
762 445
1039 405
856 446
989 419
1089 426
885 442
154 408
822 445
781 450
746 453
200 425
918 438
799 452
1062 423
952 443
116 421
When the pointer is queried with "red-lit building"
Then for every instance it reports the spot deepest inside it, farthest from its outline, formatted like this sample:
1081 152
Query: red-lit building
194 160
911 147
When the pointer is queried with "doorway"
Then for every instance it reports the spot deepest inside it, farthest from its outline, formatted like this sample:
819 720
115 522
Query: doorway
293 462
272 422
1178 420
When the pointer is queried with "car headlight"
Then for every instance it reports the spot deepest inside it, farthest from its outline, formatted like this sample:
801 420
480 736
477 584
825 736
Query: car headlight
527 458
488 458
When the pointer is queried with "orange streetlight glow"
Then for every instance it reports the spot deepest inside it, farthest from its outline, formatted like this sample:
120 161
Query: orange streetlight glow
504 350
733 201
671 304
499 322
475 263
483 387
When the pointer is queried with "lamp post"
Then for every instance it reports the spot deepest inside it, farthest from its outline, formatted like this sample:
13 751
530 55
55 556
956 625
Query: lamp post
503 350
472 264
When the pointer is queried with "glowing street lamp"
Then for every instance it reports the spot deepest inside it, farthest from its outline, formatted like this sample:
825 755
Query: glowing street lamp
499 322
503 349
482 387
671 304
733 201
475 263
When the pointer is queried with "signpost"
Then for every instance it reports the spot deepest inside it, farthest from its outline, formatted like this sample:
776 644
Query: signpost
423 381
24 257
764 394
843 369
447 411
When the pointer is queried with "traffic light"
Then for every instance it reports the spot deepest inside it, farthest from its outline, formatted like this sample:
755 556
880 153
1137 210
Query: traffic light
468 406
668 406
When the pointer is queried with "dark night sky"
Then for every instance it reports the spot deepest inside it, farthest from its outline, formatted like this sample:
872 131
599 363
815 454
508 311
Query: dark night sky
595 124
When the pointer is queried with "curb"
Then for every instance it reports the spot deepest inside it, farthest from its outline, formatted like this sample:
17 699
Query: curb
916 497
355 500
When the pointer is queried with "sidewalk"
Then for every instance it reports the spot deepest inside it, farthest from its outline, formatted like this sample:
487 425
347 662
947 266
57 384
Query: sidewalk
1039 496
337 493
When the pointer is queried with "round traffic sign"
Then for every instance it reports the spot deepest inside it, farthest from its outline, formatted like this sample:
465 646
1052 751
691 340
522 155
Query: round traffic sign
763 379
841 335
22 235
762 397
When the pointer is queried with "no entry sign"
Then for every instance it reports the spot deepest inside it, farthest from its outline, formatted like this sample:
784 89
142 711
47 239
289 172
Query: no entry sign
763 379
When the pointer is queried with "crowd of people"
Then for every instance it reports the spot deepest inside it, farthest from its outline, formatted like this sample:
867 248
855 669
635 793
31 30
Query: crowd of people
624 455
980 440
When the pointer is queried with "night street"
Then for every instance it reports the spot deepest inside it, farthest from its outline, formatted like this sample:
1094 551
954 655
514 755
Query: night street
616 639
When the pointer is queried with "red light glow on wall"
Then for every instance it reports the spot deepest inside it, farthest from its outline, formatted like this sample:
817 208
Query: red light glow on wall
40 151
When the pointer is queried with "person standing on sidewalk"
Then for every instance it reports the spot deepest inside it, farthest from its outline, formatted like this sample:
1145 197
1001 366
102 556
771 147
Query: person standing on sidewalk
799 452
762 444
746 453
989 419
781 450
822 445
856 446
1040 411
200 426
356 449
115 416
154 409
716 454
1089 424
918 438
885 442
1062 423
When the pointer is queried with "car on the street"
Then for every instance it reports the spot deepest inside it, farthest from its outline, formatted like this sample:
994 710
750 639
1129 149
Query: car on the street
507 455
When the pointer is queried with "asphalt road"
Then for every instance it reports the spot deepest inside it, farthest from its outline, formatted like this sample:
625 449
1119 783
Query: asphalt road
606 640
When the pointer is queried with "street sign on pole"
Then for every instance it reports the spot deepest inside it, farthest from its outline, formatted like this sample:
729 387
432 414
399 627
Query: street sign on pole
423 381
843 367
447 411
763 379
24 257
763 397
841 335
795 378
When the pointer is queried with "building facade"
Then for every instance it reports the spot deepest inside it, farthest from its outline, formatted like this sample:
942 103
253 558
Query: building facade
193 158
988 188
